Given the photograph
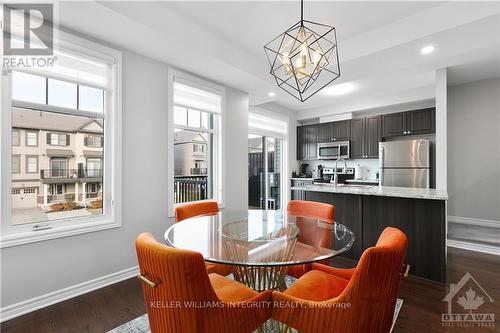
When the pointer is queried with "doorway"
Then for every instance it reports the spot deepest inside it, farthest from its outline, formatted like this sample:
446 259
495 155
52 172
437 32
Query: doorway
264 172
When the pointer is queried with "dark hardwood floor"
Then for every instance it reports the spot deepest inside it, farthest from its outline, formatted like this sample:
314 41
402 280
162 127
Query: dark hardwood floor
106 308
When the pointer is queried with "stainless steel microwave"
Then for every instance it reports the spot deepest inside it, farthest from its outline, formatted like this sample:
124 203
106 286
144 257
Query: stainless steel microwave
334 150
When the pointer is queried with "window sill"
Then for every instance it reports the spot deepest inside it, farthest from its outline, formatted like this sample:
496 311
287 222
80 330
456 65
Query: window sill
21 238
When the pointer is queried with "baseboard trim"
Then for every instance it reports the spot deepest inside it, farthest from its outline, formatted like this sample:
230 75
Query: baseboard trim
36 303
474 221
474 247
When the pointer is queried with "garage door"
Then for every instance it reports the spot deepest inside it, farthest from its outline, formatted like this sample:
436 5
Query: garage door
24 198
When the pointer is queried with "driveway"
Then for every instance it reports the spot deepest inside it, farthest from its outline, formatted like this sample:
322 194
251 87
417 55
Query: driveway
25 215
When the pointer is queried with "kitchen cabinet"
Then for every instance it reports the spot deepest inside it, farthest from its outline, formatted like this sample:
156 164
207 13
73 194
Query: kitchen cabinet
365 135
422 220
393 124
335 131
408 123
342 130
307 142
421 121
373 135
301 143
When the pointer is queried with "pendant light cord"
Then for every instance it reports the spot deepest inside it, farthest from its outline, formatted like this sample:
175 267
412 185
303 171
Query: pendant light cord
302 12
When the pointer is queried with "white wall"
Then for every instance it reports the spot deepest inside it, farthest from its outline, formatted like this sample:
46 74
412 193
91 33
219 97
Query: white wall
36 269
474 150
236 175
39 268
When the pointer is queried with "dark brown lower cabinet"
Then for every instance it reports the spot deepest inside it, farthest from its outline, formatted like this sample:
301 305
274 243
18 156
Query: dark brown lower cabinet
422 220
347 212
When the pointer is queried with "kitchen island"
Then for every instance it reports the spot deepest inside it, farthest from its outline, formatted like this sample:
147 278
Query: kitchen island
367 210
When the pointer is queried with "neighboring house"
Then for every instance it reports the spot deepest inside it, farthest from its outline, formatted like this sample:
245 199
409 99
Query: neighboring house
190 151
55 159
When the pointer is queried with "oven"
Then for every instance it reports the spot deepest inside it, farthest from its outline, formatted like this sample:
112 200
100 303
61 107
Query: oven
333 150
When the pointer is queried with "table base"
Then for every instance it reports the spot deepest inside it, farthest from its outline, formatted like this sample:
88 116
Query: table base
261 278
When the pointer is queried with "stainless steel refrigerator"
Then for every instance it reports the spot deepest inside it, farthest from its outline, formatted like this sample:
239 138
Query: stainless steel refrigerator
404 163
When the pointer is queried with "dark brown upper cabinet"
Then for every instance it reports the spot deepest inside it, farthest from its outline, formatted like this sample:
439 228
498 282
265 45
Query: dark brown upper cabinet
335 131
421 121
408 123
307 142
301 143
366 133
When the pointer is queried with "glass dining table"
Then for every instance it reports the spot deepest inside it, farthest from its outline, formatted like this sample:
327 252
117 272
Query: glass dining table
260 244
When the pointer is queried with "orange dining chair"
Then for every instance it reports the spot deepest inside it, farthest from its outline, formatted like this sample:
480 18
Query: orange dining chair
360 299
193 209
310 236
181 297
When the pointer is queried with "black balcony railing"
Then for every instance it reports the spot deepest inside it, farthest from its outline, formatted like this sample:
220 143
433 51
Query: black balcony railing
190 189
70 173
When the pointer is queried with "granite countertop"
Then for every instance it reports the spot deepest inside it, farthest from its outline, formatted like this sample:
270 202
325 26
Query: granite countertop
387 191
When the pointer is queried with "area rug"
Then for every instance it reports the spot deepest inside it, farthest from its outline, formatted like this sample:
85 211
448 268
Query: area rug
141 324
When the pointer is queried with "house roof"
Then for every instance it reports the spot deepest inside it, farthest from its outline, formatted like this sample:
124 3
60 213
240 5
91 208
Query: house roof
59 153
33 119
92 153
189 136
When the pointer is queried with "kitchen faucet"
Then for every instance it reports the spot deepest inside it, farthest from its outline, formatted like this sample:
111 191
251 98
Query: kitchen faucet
335 176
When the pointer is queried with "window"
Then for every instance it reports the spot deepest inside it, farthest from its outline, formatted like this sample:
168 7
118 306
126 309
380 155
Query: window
16 191
62 94
93 141
90 99
94 167
28 88
58 139
29 190
197 148
31 164
80 94
59 168
16 164
16 137
267 160
197 138
31 139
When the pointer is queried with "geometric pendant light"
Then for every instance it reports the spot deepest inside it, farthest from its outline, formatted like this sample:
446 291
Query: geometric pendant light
304 59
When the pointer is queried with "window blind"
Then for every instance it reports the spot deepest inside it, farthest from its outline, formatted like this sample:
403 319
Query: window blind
266 125
190 97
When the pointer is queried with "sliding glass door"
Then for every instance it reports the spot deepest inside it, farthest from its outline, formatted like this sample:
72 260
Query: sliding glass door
264 172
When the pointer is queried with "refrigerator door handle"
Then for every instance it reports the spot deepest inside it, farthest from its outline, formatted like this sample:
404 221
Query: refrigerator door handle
381 166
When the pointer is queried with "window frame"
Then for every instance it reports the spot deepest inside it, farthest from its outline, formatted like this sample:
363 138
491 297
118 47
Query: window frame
18 156
285 157
26 132
13 235
59 134
218 181
18 131
26 159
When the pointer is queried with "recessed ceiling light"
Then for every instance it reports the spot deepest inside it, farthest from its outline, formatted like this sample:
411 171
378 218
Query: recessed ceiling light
427 49
271 94
339 89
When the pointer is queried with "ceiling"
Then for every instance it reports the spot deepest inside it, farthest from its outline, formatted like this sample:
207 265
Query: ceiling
379 43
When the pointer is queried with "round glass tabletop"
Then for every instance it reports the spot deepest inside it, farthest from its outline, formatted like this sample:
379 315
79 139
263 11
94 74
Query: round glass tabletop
260 238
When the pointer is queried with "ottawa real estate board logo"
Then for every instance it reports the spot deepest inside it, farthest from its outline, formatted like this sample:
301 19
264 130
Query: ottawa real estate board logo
28 34
464 302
